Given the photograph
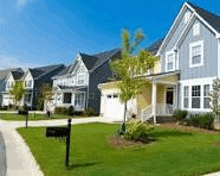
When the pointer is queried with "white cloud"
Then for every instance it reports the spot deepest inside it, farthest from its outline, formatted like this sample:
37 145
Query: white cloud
21 3
11 62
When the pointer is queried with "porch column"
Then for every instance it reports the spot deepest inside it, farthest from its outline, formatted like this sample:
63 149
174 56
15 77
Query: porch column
154 99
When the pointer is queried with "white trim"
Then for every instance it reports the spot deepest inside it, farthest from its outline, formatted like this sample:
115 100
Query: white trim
84 76
204 21
191 45
172 29
176 20
218 61
196 29
166 62
194 82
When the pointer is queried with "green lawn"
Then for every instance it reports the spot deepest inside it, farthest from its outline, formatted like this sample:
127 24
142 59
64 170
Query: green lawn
174 153
18 117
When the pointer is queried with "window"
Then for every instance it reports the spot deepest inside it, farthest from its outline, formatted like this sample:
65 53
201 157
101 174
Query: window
28 83
9 85
67 97
187 16
186 97
81 80
109 96
196 29
27 98
58 98
170 61
115 95
80 100
196 97
206 96
196 54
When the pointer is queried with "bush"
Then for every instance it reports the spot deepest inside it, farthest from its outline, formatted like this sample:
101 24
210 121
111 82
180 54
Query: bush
4 108
89 112
137 129
60 110
70 110
202 120
180 115
10 106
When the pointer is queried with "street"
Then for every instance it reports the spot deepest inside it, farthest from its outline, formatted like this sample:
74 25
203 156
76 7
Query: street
2 156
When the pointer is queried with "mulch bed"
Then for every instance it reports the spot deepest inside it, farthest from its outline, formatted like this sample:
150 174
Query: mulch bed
120 142
176 126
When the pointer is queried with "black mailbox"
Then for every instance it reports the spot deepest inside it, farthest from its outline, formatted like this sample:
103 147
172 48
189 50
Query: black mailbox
56 132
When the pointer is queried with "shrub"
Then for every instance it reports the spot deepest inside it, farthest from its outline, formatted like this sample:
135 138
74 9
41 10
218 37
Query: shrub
202 120
60 110
89 112
70 110
4 108
10 106
137 129
180 115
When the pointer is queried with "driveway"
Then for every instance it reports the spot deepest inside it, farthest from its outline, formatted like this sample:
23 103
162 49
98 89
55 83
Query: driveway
2 156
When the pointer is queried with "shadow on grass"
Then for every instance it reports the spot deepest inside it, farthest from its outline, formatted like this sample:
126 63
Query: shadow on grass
74 166
169 133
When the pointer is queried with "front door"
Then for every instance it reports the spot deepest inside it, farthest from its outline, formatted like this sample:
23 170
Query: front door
169 97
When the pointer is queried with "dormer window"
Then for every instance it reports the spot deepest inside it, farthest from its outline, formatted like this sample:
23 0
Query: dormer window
170 61
196 29
187 16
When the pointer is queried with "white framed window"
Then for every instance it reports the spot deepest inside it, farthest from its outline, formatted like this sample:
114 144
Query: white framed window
187 16
196 54
80 100
206 90
186 97
28 83
9 84
196 97
170 61
81 79
196 29
67 98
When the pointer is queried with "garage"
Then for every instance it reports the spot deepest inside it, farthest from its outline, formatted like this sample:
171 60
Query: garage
112 108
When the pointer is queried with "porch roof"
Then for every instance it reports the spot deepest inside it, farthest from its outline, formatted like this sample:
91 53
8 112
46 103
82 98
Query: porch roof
72 88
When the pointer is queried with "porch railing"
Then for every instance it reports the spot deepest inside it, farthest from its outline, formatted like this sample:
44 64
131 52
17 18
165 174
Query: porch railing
161 109
146 113
164 109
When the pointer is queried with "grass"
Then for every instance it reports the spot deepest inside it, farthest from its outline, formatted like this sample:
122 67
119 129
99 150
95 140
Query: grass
18 117
173 153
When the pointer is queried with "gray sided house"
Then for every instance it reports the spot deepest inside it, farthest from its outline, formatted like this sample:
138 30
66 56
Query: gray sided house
33 79
191 52
77 84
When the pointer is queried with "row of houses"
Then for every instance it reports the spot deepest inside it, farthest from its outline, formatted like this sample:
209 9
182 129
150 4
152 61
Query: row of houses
189 62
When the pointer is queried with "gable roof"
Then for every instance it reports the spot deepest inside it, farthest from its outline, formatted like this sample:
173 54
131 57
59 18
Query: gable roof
17 74
153 47
211 18
91 61
4 72
40 71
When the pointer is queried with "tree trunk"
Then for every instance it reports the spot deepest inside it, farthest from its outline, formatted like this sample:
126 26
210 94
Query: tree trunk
125 112
216 124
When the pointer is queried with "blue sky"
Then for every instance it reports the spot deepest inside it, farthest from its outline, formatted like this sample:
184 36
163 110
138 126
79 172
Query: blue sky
38 32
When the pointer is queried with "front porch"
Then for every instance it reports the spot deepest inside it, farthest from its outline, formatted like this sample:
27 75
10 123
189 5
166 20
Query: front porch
163 95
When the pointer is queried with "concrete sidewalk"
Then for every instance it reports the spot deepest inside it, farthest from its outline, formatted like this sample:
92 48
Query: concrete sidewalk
20 161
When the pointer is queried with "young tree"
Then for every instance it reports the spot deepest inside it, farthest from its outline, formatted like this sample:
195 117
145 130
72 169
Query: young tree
46 94
130 69
17 91
214 102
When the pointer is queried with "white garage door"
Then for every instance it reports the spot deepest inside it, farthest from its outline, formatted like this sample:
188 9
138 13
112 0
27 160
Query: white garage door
114 109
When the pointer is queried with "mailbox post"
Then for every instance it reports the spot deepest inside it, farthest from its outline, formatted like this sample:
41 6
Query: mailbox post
61 132
68 141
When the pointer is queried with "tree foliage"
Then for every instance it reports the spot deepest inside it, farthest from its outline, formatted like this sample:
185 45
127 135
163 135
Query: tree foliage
130 69
46 94
214 96
17 91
